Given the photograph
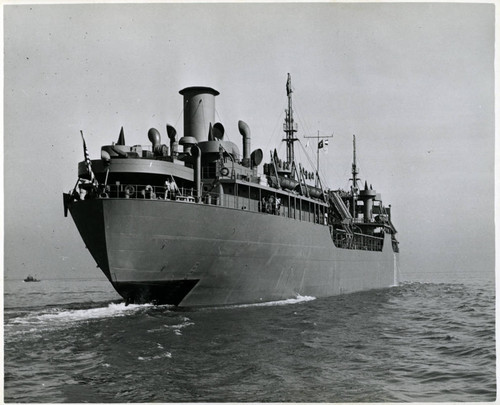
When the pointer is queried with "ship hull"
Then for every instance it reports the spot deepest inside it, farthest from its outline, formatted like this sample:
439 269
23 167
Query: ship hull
189 254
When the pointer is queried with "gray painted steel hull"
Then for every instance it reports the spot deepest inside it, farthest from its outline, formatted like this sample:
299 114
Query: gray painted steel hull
200 255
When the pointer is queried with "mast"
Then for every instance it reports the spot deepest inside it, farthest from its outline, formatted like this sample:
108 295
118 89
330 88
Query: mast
289 127
317 160
355 170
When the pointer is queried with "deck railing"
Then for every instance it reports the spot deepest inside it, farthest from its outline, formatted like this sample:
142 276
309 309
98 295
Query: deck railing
142 191
358 241
173 193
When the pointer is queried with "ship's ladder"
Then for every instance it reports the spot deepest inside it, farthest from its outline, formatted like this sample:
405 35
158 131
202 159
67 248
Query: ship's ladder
340 206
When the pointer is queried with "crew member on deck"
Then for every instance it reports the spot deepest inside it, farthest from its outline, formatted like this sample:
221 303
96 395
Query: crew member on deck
167 189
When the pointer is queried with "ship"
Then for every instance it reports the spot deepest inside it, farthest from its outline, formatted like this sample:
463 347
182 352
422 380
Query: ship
193 222
30 279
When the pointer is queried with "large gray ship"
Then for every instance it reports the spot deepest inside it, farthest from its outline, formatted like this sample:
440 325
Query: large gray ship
196 223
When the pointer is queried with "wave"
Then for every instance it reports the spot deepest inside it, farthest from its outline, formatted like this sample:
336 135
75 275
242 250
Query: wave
50 318
290 301
419 342
176 328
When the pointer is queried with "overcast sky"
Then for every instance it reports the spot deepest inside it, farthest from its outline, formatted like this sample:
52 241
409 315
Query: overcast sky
414 82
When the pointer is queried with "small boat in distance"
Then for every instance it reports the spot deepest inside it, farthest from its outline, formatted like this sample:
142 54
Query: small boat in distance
30 278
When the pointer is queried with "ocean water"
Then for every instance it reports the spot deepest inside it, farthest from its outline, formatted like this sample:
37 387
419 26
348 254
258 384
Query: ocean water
75 341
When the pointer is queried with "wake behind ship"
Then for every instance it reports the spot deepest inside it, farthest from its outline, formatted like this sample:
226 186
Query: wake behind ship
205 225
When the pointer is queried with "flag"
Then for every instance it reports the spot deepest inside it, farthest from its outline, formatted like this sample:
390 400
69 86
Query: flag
88 163
320 144
288 85
323 144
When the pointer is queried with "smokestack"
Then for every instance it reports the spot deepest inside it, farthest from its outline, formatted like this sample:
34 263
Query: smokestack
245 132
199 111
367 195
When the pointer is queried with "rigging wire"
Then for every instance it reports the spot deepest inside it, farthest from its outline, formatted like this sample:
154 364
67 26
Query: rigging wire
179 117
301 120
273 136
305 125
226 134
321 174
309 160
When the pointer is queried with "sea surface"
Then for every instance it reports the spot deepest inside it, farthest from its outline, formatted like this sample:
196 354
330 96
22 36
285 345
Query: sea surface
75 341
